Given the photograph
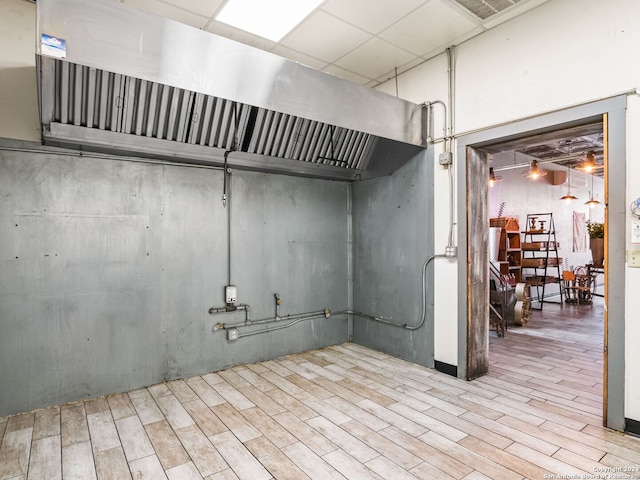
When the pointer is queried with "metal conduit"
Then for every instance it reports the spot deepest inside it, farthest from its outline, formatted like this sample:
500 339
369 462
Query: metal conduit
326 313
294 319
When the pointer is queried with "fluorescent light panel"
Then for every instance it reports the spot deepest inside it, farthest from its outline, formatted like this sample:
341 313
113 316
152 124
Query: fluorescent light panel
270 19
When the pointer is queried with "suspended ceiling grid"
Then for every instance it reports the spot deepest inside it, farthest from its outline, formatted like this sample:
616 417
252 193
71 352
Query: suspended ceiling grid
364 41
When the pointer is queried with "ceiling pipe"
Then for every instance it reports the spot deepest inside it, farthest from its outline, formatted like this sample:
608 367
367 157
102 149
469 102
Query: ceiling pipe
540 162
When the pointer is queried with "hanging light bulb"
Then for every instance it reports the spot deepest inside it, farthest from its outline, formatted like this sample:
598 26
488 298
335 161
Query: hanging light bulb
493 178
589 164
592 202
534 171
568 197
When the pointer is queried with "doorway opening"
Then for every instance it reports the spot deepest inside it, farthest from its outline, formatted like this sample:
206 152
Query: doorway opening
474 193
546 294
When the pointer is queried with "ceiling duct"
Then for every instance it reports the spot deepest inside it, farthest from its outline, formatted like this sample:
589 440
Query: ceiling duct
137 84
486 8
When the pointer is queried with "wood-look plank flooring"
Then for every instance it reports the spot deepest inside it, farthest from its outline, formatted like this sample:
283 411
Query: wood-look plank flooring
346 412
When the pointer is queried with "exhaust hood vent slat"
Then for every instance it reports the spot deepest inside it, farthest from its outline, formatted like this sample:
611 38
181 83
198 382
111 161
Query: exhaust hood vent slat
287 135
194 125
77 97
203 119
249 130
296 139
320 152
159 125
222 131
272 136
360 148
306 134
149 113
102 107
91 98
207 122
263 139
263 133
313 137
173 108
141 108
118 103
181 115
129 105
62 102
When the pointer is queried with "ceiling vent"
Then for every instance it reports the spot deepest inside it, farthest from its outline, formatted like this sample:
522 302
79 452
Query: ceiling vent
484 9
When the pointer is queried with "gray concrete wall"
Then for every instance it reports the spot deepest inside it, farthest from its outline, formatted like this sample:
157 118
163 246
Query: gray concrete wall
109 267
392 221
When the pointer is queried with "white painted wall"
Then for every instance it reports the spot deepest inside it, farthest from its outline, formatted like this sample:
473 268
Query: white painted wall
18 94
563 53
445 328
523 196
632 325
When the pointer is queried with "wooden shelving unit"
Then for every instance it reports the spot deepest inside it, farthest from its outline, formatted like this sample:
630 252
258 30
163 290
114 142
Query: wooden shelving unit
509 258
540 264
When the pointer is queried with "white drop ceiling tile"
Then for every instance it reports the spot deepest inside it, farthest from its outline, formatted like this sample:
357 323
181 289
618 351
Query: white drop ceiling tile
401 69
169 11
457 41
299 57
433 25
375 58
347 75
238 35
325 37
206 8
371 16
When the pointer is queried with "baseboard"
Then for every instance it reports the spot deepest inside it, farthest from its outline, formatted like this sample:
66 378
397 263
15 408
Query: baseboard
446 368
632 426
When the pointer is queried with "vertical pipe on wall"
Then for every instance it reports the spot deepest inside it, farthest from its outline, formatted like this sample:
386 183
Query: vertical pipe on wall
451 93
229 206
449 140
350 261
226 203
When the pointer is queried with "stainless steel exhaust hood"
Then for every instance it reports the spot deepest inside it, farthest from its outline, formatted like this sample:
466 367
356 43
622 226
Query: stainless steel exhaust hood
136 84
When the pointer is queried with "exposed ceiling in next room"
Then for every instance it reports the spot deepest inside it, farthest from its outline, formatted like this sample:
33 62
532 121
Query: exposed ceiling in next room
570 147
364 41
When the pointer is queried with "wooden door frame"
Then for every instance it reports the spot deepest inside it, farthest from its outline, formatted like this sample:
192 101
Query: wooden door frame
470 350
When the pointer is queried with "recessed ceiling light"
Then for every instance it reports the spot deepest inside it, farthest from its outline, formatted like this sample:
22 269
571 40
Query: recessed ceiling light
271 19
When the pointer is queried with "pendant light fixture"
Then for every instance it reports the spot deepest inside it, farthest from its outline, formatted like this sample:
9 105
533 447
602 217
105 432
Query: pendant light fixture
493 178
568 197
589 164
592 202
534 171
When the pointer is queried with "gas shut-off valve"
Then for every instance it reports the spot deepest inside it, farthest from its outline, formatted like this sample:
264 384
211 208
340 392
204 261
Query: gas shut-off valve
278 301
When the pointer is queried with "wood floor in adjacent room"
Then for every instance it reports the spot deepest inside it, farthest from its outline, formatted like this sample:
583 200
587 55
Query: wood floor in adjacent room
346 412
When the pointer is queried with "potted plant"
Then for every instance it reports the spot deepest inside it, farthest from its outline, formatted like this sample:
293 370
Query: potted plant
596 236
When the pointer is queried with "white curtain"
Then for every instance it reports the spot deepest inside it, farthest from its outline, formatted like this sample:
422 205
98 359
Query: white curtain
579 232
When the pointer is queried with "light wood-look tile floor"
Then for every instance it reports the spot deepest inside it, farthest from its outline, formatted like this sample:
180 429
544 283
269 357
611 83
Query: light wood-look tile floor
346 412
